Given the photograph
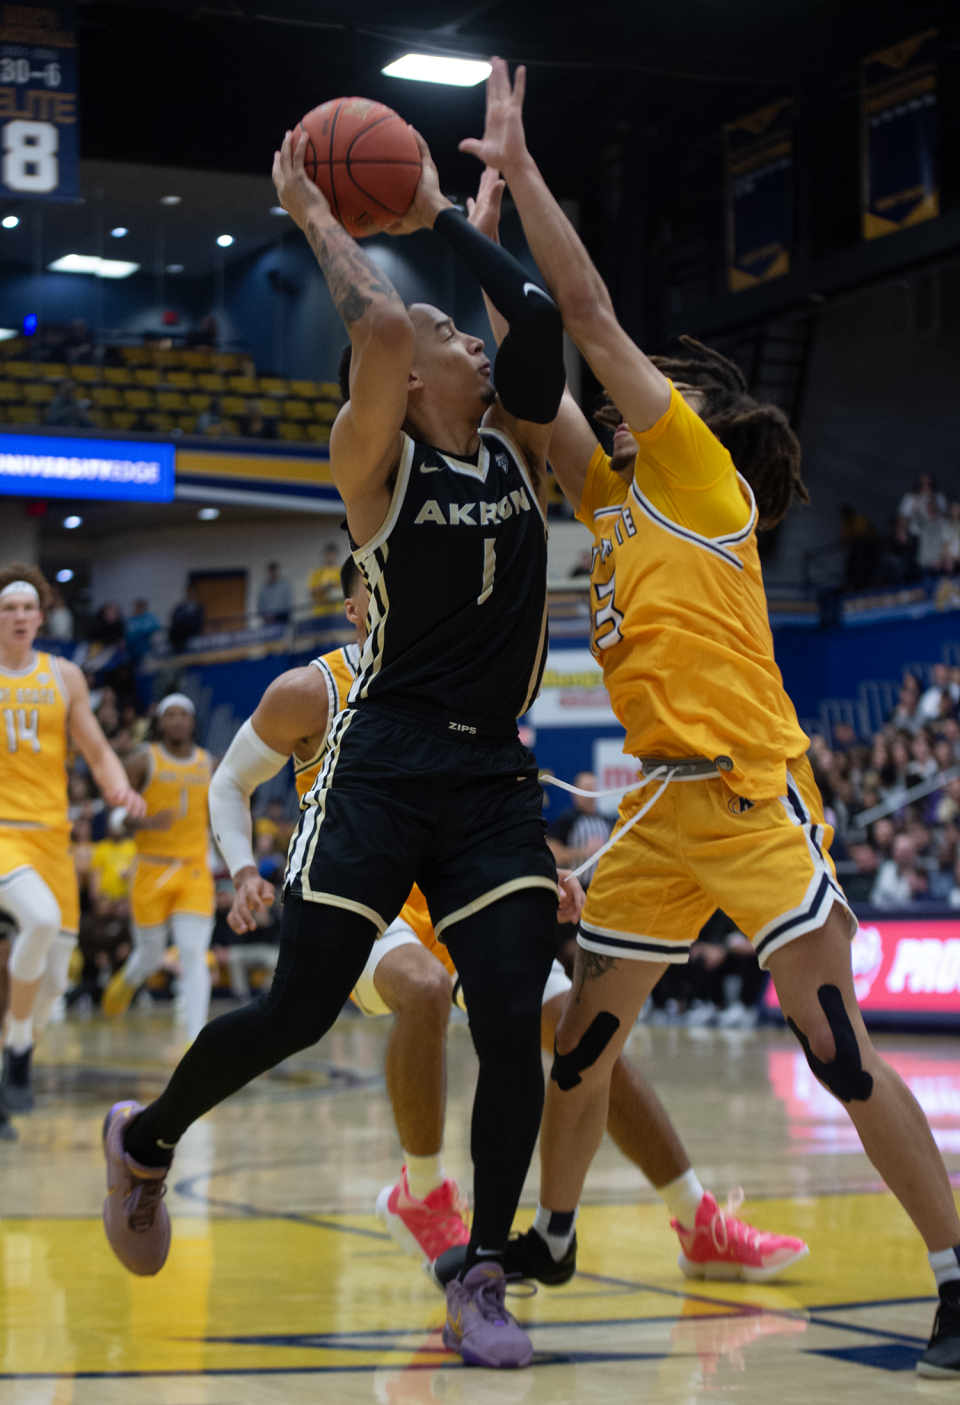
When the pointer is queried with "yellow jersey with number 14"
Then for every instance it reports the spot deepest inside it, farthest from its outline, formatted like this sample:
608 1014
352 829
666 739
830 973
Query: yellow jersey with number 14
33 745
679 613
179 784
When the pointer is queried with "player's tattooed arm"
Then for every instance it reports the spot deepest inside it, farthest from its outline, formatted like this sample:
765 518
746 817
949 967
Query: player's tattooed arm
590 966
353 278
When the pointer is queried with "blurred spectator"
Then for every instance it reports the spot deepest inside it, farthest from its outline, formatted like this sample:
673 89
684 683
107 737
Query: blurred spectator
914 506
273 822
953 898
107 625
862 542
81 849
257 951
579 831
930 536
923 764
210 421
899 881
324 584
112 862
584 564
59 621
65 410
275 598
104 942
186 621
77 345
907 711
205 333
930 708
950 540
254 426
141 627
107 711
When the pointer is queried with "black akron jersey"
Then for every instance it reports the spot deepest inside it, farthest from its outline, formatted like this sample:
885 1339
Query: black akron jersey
457 579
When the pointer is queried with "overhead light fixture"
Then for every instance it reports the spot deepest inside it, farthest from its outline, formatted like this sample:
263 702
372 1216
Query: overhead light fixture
71 522
224 240
277 210
7 332
10 221
91 263
430 68
208 514
174 268
64 576
170 199
120 232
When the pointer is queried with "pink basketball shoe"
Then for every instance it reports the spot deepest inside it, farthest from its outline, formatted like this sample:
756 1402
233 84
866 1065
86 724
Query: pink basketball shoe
721 1246
424 1228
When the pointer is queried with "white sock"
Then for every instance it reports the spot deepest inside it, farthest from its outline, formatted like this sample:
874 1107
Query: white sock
946 1265
20 1034
682 1198
557 1228
424 1173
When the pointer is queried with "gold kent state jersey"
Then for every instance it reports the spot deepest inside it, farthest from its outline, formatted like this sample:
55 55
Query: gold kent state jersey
179 784
33 745
338 670
679 617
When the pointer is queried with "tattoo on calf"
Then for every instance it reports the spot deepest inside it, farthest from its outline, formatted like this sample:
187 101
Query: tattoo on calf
351 275
590 966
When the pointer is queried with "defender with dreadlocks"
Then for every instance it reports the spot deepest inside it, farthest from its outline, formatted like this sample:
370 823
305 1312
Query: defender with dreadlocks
680 626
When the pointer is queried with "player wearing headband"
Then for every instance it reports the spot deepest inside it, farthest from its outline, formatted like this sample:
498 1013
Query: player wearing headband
409 973
680 626
172 883
44 704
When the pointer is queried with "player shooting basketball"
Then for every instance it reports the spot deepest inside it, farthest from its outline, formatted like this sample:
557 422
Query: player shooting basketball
425 779
680 625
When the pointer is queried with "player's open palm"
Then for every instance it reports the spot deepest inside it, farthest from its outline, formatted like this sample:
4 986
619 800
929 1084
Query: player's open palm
428 200
295 190
484 212
504 143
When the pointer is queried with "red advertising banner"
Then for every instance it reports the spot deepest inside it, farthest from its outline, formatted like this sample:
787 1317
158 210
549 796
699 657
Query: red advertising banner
905 965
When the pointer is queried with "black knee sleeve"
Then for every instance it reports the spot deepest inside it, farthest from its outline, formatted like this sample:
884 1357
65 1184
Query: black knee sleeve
567 1068
844 1075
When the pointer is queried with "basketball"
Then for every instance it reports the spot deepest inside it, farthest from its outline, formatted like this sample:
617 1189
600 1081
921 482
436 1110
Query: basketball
365 159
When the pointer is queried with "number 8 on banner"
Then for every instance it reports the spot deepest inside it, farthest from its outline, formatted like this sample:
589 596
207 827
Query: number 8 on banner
29 163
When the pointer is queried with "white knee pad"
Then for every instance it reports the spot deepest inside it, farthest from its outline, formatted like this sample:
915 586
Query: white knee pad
55 979
37 913
147 953
192 934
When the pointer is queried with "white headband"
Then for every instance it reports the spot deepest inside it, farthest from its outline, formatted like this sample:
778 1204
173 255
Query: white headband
21 588
175 700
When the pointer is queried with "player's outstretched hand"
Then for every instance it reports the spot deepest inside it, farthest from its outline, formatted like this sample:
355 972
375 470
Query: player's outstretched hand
127 799
504 143
428 200
572 896
254 894
484 212
295 190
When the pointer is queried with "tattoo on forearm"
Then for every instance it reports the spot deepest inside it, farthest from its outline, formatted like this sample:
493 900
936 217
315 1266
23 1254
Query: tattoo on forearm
353 278
591 965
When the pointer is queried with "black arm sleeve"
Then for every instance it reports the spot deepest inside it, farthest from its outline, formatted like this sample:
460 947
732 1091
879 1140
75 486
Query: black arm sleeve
529 372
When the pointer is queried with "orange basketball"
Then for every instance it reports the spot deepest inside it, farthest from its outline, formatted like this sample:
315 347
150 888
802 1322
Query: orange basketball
365 159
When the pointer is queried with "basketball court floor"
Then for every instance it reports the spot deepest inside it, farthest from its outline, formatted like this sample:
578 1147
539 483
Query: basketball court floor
283 1287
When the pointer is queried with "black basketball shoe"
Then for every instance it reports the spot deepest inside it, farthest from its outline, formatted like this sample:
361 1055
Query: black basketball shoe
941 1360
16 1094
526 1256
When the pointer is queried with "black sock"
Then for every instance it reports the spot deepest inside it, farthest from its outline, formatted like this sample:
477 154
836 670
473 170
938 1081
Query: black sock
141 1140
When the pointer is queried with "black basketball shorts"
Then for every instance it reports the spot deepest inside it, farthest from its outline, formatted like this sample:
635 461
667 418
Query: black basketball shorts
402 800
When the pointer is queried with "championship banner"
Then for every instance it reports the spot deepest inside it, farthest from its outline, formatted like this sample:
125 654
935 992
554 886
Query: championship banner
898 103
759 174
39 140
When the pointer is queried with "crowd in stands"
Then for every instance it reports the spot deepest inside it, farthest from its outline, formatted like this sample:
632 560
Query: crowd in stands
923 540
61 378
911 853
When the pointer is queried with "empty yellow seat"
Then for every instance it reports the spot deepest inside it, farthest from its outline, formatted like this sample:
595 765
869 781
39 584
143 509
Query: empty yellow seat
117 375
148 377
325 411
330 390
198 360
171 400
211 382
9 390
54 370
318 433
290 430
105 395
227 360
244 385
38 393
296 410
233 405
307 390
85 374
167 356
229 427
199 403
138 399
183 380
187 423
23 370
124 419
23 414
160 422
270 385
